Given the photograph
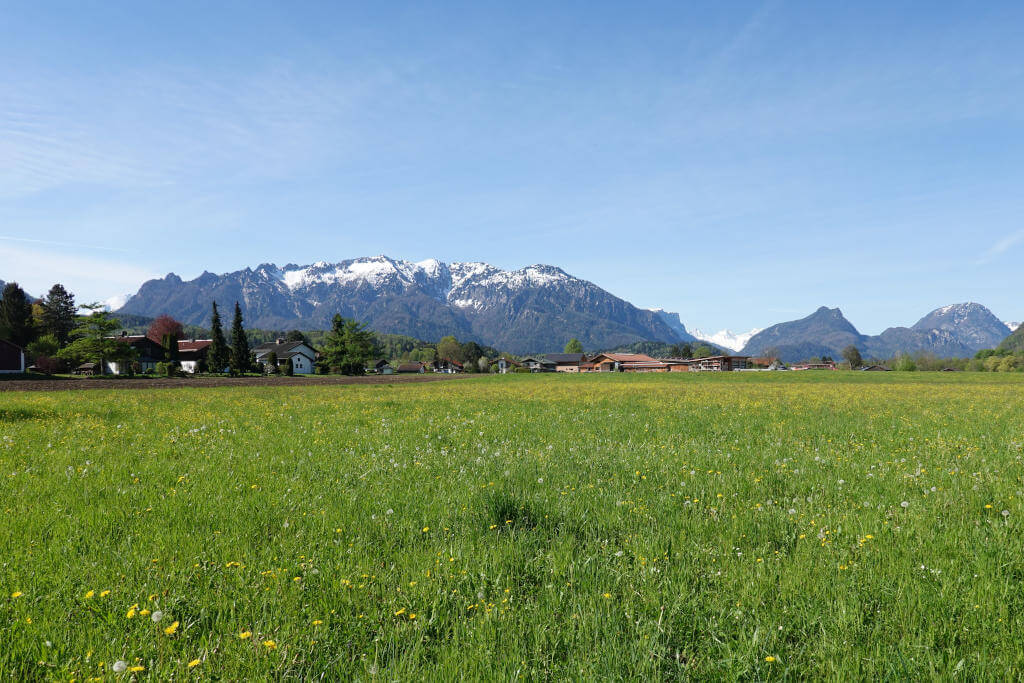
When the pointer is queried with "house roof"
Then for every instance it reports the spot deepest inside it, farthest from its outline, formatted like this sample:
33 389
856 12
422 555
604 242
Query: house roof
563 358
537 359
410 367
12 344
624 357
193 344
283 350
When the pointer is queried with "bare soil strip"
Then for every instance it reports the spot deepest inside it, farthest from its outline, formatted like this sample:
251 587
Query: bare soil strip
178 382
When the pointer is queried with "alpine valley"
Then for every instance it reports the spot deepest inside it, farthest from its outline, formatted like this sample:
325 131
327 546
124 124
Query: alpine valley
533 309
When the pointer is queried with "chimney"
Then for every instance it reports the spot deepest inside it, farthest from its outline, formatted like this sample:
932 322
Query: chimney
279 340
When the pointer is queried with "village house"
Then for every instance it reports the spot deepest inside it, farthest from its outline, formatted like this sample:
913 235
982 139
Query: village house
192 354
302 355
505 364
12 357
147 354
412 367
566 362
537 364
380 367
447 366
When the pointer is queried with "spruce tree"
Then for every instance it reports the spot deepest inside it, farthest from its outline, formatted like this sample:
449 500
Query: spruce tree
59 312
16 315
239 344
218 356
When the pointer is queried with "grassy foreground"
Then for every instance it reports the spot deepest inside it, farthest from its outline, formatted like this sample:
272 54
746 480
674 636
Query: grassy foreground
831 525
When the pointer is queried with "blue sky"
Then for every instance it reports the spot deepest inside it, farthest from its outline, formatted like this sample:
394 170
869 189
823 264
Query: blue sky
741 163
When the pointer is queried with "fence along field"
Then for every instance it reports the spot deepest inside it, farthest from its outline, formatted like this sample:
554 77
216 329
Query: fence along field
535 526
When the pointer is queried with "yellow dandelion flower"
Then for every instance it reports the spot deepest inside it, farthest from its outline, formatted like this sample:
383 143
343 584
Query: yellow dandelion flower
131 611
769 659
426 529
412 615
172 628
606 595
245 634
16 594
269 644
144 613
317 622
194 663
400 612
104 594
89 594
136 668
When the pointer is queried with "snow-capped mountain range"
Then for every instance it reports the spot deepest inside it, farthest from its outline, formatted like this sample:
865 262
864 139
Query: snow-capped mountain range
532 309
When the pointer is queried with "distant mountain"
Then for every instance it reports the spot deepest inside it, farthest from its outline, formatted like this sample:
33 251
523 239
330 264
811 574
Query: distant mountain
959 330
727 339
537 308
675 324
972 324
1012 325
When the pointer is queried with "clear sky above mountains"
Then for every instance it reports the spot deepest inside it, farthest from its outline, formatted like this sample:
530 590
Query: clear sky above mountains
741 163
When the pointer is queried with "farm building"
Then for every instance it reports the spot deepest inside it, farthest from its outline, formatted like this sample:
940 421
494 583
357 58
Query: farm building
566 362
506 364
302 355
12 357
413 367
822 365
718 363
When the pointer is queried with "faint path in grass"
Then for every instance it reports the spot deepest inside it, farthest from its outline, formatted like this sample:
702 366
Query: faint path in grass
178 382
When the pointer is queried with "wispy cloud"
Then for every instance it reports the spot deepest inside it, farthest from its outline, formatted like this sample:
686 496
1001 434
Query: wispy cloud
1001 247
90 278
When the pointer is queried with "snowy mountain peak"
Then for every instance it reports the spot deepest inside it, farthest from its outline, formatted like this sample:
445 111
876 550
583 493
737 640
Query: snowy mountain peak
727 339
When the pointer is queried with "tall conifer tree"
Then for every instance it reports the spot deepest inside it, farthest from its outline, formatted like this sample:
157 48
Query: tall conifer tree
239 344
59 312
218 357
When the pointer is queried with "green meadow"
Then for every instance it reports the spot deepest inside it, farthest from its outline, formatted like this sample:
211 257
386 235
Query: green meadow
830 525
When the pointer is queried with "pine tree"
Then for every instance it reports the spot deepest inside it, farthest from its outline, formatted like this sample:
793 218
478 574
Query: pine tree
239 345
348 346
16 315
59 313
218 355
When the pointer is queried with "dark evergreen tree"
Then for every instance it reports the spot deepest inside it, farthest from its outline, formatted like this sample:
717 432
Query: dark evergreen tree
239 344
349 346
59 312
272 363
16 315
218 355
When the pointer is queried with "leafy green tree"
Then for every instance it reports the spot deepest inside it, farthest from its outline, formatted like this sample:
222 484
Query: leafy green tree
239 359
483 364
449 348
272 367
93 340
349 346
853 357
703 351
16 315
218 355
573 346
296 335
58 314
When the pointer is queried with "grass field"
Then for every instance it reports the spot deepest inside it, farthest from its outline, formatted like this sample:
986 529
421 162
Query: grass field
831 525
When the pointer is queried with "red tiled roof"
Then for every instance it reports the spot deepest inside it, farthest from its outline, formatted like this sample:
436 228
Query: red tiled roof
194 344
